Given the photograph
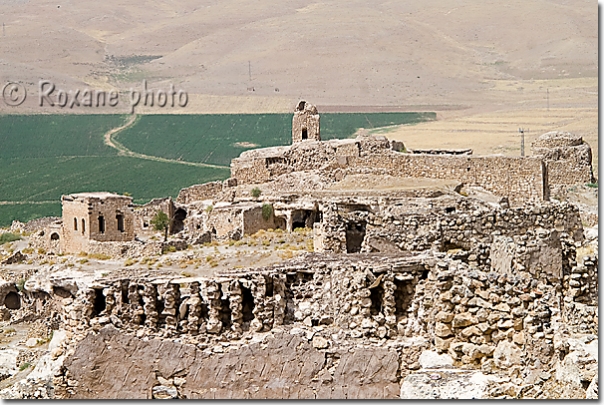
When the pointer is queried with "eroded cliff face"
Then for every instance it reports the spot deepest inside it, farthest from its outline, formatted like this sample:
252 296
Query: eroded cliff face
282 365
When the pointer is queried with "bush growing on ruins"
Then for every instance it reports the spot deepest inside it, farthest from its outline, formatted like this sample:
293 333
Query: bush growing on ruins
592 185
161 223
256 192
21 284
209 209
267 211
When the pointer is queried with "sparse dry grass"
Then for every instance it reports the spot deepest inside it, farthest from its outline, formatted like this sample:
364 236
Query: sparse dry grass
497 132
99 256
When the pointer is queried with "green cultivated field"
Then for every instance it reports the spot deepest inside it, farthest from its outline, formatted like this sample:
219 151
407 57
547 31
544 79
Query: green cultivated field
214 139
45 156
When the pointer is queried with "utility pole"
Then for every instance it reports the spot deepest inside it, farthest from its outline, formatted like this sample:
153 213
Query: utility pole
3 30
522 131
548 99
249 68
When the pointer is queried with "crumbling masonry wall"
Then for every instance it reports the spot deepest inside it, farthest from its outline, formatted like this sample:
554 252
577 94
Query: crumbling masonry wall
199 192
519 179
441 224
485 318
567 157
144 214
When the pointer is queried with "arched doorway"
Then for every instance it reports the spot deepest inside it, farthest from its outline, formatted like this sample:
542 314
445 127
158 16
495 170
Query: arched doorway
12 300
178 219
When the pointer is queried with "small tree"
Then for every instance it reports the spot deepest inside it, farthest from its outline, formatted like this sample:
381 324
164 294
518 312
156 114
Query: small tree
161 222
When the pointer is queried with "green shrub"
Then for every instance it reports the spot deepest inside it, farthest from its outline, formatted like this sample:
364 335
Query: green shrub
267 211
256 192
21 284
592 185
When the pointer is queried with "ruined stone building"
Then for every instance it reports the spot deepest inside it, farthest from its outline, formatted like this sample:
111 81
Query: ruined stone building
95 217
294 181
306 123
419 259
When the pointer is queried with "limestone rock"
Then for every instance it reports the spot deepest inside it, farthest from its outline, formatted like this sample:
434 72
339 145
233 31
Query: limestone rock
453 384
592 389
164 392
431 359
319 342
442 330
507 354
464 319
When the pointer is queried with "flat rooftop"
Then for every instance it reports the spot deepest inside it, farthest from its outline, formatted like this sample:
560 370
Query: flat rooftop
99 195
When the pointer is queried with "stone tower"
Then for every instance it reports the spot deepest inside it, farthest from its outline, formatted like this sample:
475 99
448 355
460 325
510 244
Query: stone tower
305 125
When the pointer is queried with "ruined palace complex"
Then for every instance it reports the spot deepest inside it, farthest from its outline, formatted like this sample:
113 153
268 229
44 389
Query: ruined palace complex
432 274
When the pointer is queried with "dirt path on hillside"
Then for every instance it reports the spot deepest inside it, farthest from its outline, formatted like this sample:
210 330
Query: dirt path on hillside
110 141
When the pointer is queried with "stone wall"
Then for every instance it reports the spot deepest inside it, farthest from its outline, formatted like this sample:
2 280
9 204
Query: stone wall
520 179
143 214
282 366
74 236
444 223
262 165
323 310
199 192
567 157
231 220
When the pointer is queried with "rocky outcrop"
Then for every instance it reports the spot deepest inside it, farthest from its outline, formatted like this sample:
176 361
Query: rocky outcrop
113 365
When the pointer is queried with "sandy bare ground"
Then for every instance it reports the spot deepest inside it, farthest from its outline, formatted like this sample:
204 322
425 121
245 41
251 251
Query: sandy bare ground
493 129
497 132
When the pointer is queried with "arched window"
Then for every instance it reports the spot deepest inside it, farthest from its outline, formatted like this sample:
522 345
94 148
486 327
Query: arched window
75 224
83 226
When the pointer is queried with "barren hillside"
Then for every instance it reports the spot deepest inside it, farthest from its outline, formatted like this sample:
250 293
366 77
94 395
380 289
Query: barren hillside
412 54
